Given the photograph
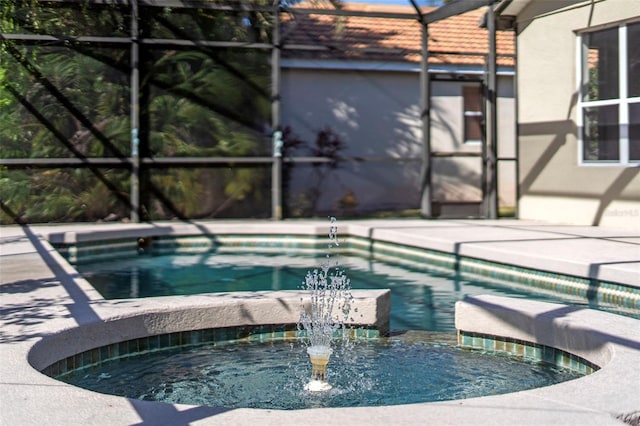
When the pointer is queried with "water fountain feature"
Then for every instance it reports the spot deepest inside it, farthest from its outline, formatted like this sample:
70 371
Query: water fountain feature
330 307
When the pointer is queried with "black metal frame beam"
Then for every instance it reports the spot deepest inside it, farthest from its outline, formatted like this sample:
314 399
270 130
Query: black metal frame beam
34 39
27 163
426 207
350 13
127 163
136 204
453 8
240 7
491 210
276 169
174 4
49 39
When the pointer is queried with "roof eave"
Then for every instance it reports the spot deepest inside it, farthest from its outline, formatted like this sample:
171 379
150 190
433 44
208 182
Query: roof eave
511 7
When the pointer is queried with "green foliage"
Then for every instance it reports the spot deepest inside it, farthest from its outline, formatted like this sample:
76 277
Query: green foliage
241 182
66 195
14 192
183 185
71 99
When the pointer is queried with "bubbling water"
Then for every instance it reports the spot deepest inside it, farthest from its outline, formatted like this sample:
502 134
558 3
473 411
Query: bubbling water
330 291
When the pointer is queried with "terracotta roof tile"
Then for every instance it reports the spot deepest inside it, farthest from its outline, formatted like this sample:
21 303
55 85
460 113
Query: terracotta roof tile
457 40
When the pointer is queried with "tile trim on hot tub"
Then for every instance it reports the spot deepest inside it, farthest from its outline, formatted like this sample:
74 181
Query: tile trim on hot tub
526 350
190 338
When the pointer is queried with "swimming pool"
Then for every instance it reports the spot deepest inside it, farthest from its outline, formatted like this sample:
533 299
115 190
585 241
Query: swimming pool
422 298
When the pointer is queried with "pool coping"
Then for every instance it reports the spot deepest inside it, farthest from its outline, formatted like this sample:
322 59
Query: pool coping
44 294
133 320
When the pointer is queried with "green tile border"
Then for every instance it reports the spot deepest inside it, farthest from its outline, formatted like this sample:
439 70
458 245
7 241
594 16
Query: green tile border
85 252
625 297
526 350
583 288
98 250
183 339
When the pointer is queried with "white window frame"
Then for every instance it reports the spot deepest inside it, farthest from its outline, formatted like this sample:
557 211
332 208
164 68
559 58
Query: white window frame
622 101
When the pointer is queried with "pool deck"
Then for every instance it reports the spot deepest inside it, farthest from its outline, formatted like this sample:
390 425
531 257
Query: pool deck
41 293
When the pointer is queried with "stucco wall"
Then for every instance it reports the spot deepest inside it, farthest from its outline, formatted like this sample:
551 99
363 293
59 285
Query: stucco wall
377 114
553 186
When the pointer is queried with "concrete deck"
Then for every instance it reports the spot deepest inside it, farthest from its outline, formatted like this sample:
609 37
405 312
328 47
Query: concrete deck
42 294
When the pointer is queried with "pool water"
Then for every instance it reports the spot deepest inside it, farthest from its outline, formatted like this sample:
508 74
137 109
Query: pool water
273 375
420 299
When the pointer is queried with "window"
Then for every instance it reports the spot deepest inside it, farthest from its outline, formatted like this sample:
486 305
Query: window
472 100
609 104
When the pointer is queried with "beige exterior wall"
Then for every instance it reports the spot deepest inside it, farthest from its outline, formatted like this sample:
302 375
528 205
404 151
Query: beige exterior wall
377 114
553 185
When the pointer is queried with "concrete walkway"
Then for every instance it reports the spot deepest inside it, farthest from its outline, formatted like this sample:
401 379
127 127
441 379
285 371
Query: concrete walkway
41 293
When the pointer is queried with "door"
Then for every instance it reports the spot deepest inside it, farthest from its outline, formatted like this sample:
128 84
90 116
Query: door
457 137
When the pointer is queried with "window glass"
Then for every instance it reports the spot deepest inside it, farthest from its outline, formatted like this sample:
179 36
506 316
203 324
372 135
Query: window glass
472 99
633 59
600 62
601 133
473 128
634 132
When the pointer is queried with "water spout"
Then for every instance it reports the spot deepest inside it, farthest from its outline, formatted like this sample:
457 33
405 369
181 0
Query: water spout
330 307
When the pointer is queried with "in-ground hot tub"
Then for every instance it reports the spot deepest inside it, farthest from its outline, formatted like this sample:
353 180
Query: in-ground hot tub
555 333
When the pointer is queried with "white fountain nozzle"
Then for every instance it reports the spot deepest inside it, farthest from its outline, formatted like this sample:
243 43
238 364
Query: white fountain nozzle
319 356
319 351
